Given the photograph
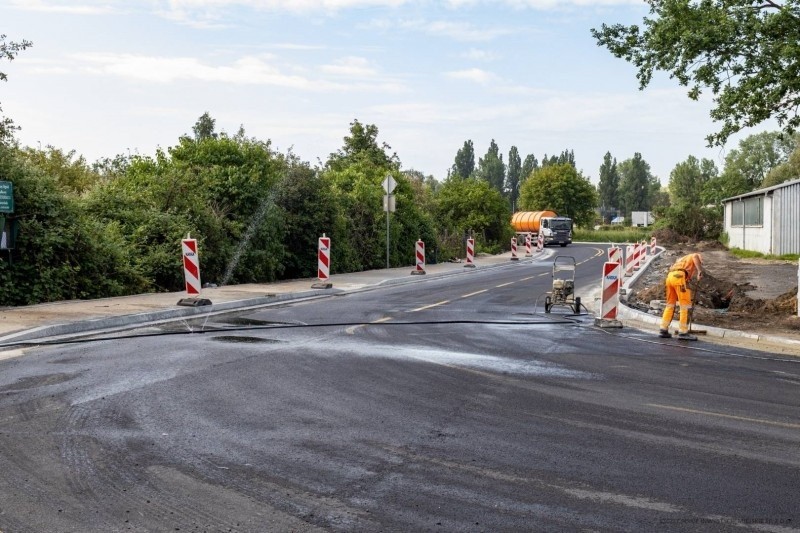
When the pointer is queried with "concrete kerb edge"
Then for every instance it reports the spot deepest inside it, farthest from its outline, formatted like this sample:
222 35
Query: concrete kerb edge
121 321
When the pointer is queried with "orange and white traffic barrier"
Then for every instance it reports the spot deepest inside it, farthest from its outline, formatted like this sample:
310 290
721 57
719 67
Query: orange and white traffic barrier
610 296
528 245
514 249
324 258
470 253
540 242
191 266
643 256
653 246
419 253
615 254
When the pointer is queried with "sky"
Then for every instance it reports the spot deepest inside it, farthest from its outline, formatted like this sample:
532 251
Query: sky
129 77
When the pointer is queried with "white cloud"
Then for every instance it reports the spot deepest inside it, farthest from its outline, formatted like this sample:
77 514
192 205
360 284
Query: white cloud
44 6
456 30
474 74
350 66
476 54
248 70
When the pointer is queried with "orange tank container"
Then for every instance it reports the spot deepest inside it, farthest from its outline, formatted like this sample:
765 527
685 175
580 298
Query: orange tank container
528 221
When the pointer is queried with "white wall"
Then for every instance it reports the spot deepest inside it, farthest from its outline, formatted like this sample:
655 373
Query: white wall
753 238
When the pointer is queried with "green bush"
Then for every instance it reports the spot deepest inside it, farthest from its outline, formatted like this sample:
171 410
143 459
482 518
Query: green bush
614 235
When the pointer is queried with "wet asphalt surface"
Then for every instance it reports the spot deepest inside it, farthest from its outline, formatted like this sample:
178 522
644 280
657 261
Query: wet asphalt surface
452 404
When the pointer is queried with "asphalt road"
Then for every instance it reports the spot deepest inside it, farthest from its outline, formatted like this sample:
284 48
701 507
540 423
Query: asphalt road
450 404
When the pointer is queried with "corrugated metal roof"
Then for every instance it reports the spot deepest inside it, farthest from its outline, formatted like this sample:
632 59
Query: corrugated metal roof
761 192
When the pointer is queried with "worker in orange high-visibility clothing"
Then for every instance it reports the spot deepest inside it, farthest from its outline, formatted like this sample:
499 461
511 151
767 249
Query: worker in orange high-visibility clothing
677 284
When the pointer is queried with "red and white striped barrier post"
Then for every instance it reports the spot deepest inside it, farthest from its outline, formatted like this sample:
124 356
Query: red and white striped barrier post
610 296
419 253
615 254
323 263
653 246
540 242
514 249
628 260
643 258
637 255
528 245
191 266
470 253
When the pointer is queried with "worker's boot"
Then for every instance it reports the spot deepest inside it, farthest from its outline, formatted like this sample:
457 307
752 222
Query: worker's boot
664 334
686 336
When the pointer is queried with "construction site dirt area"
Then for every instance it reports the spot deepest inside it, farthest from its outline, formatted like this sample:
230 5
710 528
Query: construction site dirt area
752 295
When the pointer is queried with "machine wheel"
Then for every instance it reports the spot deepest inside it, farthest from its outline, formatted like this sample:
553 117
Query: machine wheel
563 245
548 304
577 307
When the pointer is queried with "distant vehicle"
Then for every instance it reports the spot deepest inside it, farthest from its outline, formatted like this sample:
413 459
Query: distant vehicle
642 218
554 229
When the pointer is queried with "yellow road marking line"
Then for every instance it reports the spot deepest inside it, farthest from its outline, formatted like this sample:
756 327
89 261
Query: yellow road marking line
722 415
474 293
429 306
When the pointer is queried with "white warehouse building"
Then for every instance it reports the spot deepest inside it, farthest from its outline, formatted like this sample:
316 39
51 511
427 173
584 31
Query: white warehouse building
766 220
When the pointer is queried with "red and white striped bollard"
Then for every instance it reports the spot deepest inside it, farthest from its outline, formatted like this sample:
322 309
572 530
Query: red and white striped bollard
470 253
610 296
191 266
323 263
615 254
419 253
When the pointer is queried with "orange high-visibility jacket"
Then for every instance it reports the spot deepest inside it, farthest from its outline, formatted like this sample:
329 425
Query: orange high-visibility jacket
687 264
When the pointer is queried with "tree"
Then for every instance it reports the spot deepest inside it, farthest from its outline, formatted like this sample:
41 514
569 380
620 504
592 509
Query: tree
9 50
60 253
636 185
306 212
491 168
72 174
567 156
608 187
204 127
362 145
786 171
746 52
688 180
513 176
687 213
464 165
747 166
528 166
560 188
474 205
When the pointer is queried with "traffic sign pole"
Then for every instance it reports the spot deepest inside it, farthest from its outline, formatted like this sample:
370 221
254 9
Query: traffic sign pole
388 185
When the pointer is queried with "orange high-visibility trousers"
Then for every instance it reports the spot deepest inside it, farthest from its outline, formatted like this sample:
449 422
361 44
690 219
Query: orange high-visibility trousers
677 291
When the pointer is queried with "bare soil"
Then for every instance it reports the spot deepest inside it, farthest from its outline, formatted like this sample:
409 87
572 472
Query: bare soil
755 295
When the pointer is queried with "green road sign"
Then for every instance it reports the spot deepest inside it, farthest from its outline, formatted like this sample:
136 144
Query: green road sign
6 197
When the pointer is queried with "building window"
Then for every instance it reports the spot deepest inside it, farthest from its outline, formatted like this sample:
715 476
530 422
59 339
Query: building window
748 212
